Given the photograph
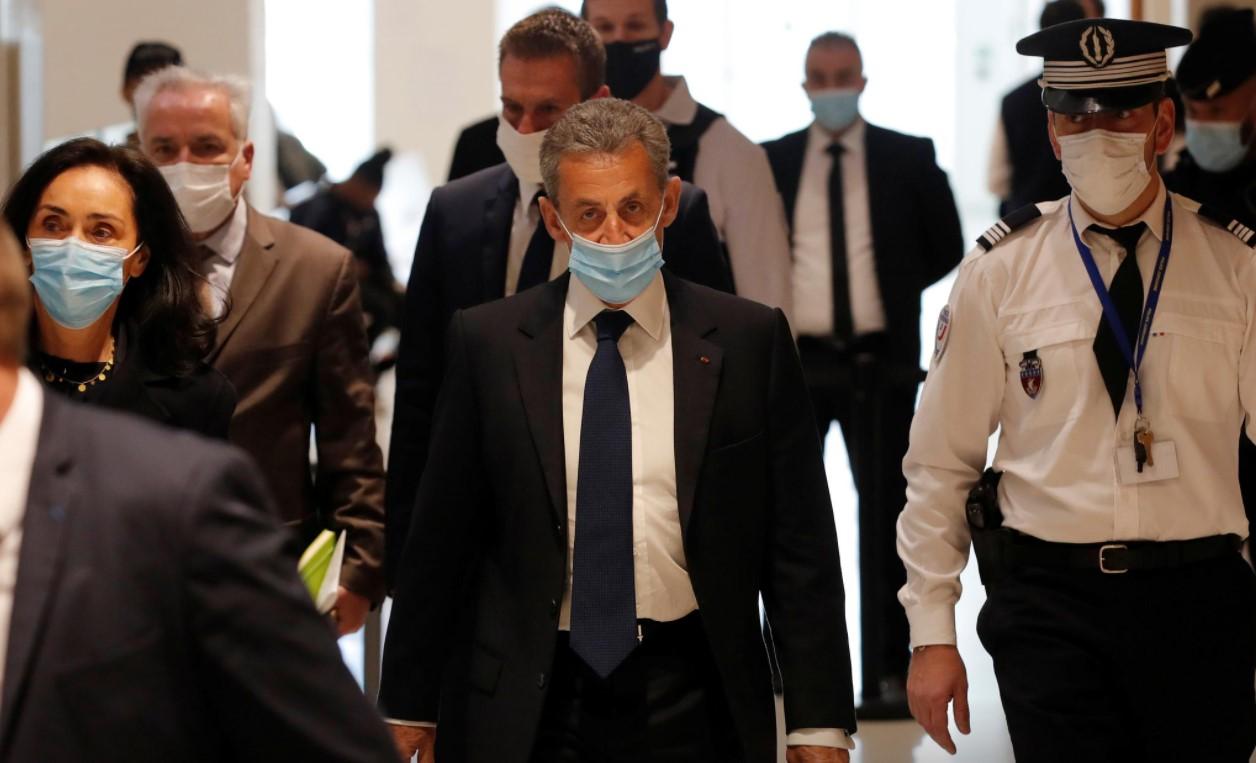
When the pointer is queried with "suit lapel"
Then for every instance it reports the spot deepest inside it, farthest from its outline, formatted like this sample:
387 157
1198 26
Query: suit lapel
498 218
881 201
254 266
539 368
48 511
696 365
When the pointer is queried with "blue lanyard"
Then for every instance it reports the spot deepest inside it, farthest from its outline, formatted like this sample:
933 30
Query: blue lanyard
1109 307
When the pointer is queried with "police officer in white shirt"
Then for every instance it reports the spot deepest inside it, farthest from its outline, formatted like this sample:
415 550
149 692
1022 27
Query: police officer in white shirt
1108 336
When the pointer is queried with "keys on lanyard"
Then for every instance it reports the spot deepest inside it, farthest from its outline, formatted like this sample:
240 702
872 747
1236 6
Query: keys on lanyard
1144 438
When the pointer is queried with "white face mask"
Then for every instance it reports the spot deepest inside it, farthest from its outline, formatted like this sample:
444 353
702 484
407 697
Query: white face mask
523 152
203 192
1107 169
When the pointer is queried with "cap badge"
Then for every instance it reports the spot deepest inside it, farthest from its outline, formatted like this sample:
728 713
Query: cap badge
1098 47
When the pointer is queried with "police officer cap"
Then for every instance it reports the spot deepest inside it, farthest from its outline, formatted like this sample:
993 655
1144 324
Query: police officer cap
1096 65
1222 58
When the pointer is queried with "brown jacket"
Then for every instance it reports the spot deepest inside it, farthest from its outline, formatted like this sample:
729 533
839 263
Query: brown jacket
293 344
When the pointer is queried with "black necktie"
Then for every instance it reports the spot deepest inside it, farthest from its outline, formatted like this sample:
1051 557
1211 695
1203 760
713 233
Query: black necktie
837 243
603 592
539 255
1126 292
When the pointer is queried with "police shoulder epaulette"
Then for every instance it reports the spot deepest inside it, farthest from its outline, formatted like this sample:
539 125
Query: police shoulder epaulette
1241 232
1003 228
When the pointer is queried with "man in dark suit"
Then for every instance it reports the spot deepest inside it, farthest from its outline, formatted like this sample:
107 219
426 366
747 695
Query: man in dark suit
147 612
627 462
873 223
293 338
482 239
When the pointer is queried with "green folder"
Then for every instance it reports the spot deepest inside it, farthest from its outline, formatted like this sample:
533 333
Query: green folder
319 568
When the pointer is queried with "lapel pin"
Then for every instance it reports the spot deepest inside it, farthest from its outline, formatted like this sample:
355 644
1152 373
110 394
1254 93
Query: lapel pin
704 360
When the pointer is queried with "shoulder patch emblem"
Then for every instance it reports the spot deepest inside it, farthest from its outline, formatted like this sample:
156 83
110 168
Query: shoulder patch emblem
1241 232
1012 222
943 333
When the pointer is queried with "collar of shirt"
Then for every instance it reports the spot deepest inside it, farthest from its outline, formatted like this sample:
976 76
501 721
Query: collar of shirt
1153 216
648 310
526 192
228 241
680 108
19 439
852 141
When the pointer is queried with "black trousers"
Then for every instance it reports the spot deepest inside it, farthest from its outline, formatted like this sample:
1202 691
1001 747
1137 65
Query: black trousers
1135 667
873 404
664 704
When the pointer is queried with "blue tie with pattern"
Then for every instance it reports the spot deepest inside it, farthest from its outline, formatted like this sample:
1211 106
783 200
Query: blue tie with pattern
603 594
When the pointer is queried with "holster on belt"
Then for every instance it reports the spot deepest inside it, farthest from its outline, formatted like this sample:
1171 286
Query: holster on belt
985 523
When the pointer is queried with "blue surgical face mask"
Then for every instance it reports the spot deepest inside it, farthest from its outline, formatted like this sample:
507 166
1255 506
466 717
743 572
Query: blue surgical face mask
616 274
836 109
1217 146
76 281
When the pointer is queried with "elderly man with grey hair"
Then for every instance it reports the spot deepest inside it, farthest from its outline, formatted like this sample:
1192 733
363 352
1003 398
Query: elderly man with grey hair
147 611
292 339
627 462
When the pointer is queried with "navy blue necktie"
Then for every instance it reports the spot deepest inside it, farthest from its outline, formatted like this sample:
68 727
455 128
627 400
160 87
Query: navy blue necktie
603 592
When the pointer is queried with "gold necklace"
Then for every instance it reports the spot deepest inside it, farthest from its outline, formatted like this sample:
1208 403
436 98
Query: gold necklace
53 377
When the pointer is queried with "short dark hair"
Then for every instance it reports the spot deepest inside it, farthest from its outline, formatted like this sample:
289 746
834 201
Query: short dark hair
834 40
555 32
175 334
1059 12
660 10
148 57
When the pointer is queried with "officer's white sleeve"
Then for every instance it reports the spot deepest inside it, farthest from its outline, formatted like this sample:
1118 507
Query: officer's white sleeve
1247 357
958 412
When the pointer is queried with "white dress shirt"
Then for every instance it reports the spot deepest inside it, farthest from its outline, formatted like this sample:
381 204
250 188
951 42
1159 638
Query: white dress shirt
747 210
523 224
19 440
813 254
1058 452
226 243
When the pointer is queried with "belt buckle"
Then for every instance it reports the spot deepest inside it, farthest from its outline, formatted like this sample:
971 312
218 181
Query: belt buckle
1103 562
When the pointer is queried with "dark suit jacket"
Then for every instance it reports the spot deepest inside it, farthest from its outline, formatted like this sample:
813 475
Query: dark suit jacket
460 261
155 617
294 346
476 149
916 235
1036 173
474 623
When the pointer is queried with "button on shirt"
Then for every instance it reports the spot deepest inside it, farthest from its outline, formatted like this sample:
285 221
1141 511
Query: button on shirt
226 243
19 440
813 252
746 209
523 225
1058 451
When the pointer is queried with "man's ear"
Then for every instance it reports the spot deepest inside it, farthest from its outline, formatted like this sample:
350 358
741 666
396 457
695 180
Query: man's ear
549 215
1166 125
665 36
671 202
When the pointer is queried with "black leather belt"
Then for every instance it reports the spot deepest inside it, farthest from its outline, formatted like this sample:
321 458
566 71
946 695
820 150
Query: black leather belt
1117 557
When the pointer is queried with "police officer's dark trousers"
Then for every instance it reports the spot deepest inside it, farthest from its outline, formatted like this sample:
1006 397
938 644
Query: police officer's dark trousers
1143 666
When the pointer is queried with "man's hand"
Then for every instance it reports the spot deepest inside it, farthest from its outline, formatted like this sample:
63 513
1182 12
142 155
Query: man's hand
937 677
412 739
813 754
350 611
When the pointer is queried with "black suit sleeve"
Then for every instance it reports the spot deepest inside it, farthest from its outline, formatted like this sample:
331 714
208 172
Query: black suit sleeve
939 219
420 360
268 662
692 247
438 550
803 590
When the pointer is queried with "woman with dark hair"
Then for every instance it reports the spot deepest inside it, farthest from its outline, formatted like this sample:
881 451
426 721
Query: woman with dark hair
118 321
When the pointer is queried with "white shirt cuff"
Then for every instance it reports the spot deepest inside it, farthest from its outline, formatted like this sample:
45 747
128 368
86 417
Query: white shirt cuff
931 624
415 724
820 738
